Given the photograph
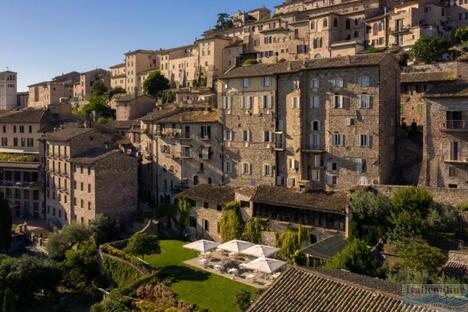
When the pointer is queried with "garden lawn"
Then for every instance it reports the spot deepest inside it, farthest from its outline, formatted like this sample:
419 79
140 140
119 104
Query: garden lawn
195 286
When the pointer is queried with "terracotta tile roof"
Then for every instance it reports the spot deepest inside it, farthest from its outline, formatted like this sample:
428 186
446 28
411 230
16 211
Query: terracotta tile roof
299 289
161 113
457 264
447 91
428 77
294 66
92 156
67 133
329 202
211 193
118 65
28 115
192 116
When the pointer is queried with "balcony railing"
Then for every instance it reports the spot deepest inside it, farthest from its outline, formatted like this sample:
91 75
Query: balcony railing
455 125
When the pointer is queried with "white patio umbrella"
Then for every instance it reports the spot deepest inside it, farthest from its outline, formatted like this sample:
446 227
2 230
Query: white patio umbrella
260 251
265 265
235 246
202 245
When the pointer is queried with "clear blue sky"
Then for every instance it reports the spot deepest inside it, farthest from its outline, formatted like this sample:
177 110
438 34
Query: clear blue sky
44 38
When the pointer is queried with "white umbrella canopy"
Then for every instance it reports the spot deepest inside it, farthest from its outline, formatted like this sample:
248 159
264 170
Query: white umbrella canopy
235 245
260 251
265 265
202 245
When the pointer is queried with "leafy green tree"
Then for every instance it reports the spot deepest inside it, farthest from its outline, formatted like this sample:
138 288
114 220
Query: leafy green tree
114 302
81 266
104 230
61 241
98 88
290 242
357 258
370 213
430 49
141 244
223 22
407 224
463 207
442 218
155 83
253 230
419 261
184 206
413 199
5 223
116 90
29 278
168 96
232 224
9 302
243 299
461 34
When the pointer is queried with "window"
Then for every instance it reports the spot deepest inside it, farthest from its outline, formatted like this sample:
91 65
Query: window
364 140
267 101
296 84
267 81
227 102
21 129
293 164
246 135
364 101
315 125
267 170
247 168
248 102
206 225
192 222
337 83
219 207
245 82
205 132
337 101
228 135
363 81
267 136
315 175
315 83
350 121
338 139
314 101
360 165
206 205
295 102
228 167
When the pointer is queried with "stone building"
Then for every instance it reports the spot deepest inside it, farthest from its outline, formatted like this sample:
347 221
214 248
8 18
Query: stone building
445 149
181 146
118 77
138 63
86 176
324 214
20 163
320 124
49 92
82 88
8 88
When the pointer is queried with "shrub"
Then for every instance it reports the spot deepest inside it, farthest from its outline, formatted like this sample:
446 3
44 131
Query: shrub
461 34
141 244
250 62
243 299
290 242
253 230
413 199
61 241
430 49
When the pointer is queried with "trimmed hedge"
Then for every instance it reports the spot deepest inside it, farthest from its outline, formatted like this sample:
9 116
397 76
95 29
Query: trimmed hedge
119 272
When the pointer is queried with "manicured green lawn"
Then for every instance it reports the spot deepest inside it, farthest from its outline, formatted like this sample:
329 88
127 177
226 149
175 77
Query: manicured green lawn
199 287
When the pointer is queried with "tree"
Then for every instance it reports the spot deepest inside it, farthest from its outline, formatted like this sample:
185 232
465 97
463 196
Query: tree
232 224
356 257
253 230
430 49
370 212
420 262
9 302
223 22
116 90
243 299
183 207
168 96
155 83
5 223
412 198
461 34
406 224
290 241
98 88
81 266
61 241
141 244
104 230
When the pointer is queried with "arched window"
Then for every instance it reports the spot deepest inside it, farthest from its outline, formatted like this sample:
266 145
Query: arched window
325 22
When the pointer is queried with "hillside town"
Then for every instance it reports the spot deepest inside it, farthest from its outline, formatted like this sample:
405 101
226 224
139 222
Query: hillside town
308 157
